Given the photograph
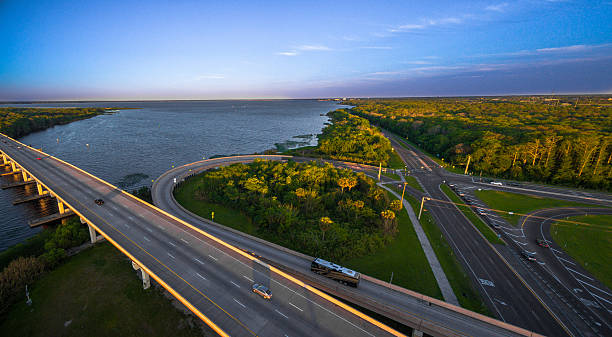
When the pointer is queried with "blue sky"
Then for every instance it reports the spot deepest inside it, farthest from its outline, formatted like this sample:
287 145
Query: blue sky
58 50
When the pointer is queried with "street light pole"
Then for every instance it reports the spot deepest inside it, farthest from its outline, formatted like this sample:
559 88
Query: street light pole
404 190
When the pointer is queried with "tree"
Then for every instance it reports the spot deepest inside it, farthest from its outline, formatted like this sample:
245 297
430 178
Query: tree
395 205
388 221
325 224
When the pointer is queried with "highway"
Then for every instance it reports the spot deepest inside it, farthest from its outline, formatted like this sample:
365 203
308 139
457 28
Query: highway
209 276
507 294
457 322
591 297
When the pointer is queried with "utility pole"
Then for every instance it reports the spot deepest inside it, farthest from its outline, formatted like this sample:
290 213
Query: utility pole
468 164
379 170
404 190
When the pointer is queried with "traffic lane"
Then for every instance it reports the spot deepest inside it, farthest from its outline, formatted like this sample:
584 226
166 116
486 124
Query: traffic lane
393 299
573 312
573 275
163 257
469 241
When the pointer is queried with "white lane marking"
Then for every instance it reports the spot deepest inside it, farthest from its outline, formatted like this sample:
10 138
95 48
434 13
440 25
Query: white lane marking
232 282
295 306
520 243
212 257
187 242
146 238
173 245
558 251
581 274
200 262
601 298
172 256
516 236
131 218
149 229
235 300
542 263
594 287
273 280
568 261
114 207
280 313
247 278
204 278
126 225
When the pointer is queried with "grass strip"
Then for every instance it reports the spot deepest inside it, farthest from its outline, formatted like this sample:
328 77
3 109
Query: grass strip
462 286
488 233
520 203
589 245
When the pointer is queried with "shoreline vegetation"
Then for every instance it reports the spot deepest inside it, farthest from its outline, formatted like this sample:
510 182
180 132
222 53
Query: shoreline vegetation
537 139
18 122
351 138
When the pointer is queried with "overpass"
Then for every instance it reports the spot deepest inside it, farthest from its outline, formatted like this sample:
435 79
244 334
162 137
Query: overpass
213 278
210 277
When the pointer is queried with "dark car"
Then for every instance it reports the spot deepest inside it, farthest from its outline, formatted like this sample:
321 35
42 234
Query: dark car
542 243
99 202
529 256
262 291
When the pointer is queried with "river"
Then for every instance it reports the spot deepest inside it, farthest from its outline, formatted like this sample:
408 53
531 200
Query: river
131 147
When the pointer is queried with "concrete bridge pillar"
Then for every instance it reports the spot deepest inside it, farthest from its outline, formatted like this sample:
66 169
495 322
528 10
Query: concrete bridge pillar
93 236
417 333
146 280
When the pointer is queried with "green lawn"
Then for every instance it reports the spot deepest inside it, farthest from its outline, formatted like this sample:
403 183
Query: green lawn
468 297
474 219
520 203
395 161
404 256
96 293
589 245
412 182
391 175
184 195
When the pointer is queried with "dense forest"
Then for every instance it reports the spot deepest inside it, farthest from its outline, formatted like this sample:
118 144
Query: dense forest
351 138
543 140
18 122
310 207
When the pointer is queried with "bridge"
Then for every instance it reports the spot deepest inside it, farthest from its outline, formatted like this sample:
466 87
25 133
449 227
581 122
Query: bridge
213 278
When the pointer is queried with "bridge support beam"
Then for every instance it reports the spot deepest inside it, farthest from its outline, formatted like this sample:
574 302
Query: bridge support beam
13 167
41 189
25 176
4 159
60 207
146 280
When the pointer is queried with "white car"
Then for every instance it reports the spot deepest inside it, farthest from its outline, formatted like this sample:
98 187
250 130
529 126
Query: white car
496 183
